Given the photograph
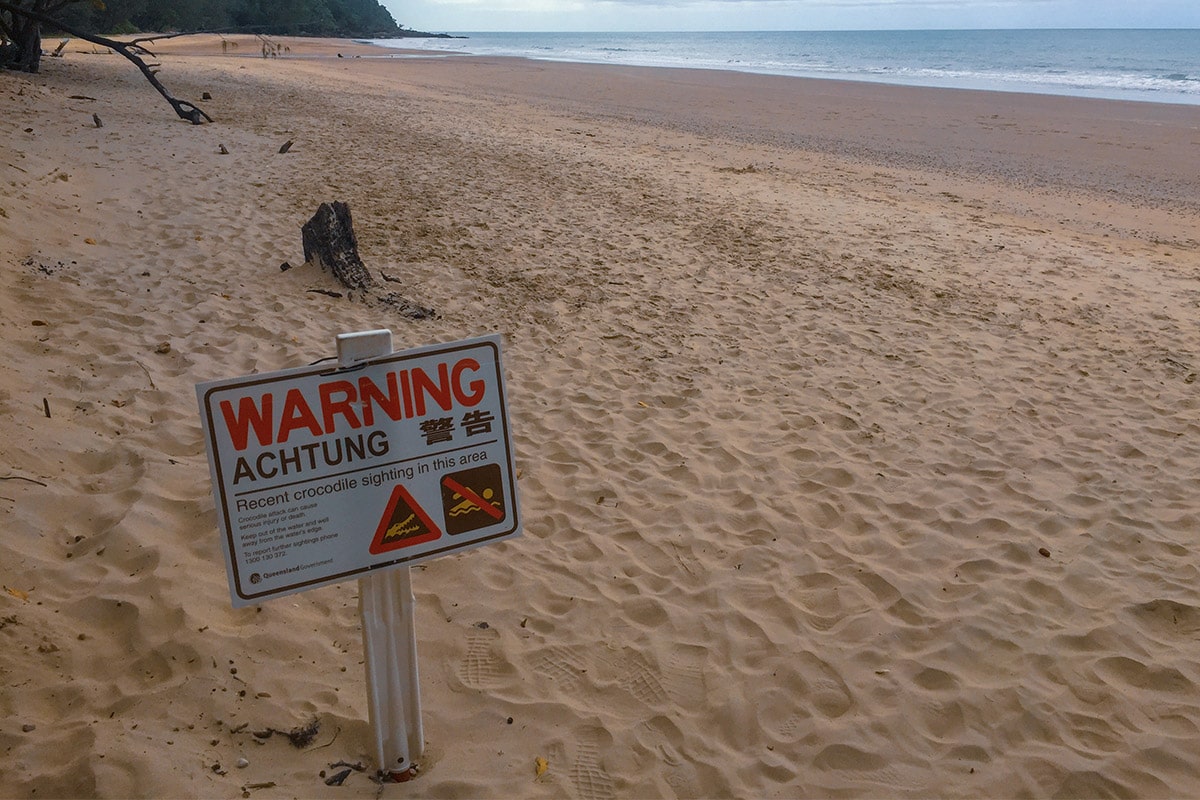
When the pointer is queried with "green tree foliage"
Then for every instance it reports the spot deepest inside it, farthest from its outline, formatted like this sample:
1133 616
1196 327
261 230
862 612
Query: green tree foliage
281 17
295 17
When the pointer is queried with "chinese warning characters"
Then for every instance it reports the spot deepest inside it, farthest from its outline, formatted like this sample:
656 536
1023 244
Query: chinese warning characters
322 474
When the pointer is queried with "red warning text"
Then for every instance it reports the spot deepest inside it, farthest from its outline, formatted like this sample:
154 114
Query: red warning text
341 403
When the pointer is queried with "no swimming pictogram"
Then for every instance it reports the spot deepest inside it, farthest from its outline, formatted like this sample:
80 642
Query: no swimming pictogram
404 524
473 498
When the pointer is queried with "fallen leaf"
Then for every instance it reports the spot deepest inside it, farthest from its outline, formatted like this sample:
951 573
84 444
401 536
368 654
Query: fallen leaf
17 593
89 240
643 405
540 765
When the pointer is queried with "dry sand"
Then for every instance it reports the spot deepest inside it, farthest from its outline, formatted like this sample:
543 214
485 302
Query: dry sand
858 429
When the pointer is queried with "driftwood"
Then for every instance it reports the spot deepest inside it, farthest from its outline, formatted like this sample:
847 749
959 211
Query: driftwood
329 241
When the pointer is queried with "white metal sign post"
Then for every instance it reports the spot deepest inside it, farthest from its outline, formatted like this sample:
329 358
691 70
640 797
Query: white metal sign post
322 474
387 607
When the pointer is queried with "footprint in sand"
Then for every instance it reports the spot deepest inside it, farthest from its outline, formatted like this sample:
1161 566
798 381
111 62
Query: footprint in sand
481 668
587 774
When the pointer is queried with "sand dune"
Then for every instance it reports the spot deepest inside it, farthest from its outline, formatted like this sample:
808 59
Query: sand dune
857 428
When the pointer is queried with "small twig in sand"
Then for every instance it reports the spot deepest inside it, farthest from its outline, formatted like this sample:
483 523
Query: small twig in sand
300 736
143 366
336 731
679 558
20 478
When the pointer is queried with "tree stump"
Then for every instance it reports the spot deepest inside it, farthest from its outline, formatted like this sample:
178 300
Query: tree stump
330 242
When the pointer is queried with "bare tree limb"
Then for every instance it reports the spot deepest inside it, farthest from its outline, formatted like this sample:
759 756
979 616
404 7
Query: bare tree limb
157 36
183 108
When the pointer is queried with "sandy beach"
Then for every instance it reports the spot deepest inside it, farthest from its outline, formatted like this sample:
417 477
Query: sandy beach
858 428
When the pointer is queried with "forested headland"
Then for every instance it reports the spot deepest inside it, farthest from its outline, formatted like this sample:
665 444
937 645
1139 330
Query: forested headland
365 18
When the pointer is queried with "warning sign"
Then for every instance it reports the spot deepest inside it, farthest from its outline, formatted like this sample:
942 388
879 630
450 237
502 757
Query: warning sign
322 474
404 524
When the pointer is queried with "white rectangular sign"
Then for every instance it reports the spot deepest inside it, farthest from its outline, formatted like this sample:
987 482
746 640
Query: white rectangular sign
323 474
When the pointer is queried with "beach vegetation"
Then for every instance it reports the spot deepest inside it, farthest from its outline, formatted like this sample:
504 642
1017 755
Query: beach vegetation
278 17
22 22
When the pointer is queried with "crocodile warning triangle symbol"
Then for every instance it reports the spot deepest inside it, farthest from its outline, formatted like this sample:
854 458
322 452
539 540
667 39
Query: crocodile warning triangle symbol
404 524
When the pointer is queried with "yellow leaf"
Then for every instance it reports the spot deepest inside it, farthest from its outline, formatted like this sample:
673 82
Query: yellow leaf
17 593
89 240
540 765
643 405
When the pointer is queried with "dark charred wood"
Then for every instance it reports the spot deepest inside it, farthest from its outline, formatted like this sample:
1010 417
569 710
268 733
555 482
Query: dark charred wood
329 242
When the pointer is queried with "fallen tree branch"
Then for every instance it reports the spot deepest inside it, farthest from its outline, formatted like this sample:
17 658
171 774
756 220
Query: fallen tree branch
183 108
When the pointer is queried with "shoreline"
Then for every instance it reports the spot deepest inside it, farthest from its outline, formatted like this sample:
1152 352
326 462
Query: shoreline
772 53
856 429
1192 105
1039 145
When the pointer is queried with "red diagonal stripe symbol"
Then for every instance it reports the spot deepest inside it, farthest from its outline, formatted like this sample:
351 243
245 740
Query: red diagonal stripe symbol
467 494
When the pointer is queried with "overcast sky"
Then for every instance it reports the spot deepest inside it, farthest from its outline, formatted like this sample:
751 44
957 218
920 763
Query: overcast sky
666 15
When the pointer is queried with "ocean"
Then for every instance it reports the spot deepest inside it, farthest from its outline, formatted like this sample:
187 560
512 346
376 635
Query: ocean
1161 66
